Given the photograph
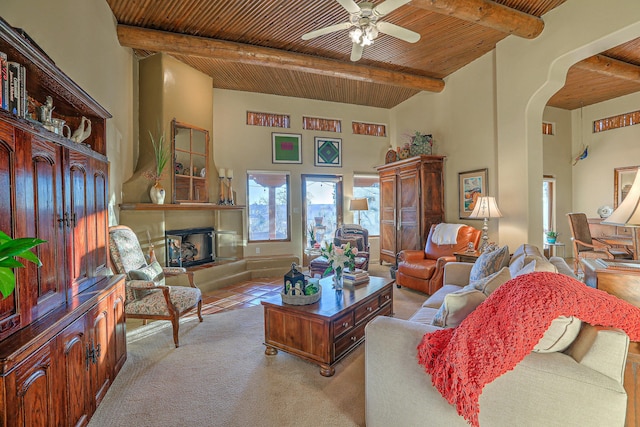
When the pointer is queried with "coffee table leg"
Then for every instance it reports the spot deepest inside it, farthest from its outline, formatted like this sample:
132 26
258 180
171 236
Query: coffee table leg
327 371
270 351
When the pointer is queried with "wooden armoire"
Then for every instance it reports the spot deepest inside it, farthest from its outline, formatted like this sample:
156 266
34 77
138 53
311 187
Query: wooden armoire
62 331
411 200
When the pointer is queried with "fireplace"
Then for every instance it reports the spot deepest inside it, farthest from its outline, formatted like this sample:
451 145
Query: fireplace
191 246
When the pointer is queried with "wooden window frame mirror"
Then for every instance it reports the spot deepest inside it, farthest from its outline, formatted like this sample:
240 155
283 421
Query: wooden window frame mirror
189 163
621 178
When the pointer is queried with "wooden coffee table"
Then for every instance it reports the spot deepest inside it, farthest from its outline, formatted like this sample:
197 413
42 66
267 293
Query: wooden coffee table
328 330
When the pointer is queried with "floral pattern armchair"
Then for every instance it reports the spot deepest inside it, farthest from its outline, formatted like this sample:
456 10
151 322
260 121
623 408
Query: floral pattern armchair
147 296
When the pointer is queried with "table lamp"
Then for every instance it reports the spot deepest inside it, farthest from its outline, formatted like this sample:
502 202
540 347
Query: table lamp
359 205
485 208
627 214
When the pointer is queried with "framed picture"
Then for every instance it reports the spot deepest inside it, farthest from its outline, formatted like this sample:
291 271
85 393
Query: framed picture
327 152
472 185
286 148
622 180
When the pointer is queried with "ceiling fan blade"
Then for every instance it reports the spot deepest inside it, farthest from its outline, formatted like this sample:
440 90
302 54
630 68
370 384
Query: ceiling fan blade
349 5
356 52
389 6
398 32
326 30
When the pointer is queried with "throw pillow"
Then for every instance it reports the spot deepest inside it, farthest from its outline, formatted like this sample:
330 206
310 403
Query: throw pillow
151 272
561 333
489 263
529 268
457 306
490 283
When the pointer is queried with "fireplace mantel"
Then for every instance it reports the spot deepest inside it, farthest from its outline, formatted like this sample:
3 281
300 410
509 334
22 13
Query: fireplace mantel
178 207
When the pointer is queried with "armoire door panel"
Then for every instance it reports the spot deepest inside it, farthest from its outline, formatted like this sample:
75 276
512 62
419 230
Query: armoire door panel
78 243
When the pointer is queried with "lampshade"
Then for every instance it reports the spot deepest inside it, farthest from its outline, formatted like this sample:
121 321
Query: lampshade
359 205
628 212
486 207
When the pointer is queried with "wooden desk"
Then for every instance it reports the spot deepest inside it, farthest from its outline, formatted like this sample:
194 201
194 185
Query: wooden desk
625 284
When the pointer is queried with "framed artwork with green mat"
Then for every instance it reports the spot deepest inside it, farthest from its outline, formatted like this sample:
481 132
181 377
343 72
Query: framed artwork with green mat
286 148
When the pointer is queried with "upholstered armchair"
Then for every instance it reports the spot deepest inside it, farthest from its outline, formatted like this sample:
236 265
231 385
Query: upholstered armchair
584 246
147 296
354 234
423 270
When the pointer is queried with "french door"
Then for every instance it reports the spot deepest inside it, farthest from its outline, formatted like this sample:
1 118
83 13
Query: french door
322 207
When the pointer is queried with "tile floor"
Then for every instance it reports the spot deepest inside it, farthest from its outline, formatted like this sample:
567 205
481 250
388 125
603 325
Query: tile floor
241 295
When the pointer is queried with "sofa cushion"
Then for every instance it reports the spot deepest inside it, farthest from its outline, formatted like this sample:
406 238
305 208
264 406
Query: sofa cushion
424 315
529 268
457 306
437 298
151 273
561 333
488 284
489 263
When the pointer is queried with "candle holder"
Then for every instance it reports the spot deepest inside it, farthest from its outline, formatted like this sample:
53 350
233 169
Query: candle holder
230 200
222 200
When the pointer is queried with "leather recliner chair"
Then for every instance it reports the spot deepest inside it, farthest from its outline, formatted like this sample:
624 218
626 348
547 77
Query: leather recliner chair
423 270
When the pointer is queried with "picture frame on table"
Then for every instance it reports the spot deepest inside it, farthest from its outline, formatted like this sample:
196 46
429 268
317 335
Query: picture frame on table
622 180
286 148
327 152
471 184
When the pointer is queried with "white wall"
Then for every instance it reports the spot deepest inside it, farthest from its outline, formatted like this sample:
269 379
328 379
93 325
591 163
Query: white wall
80 36
241 147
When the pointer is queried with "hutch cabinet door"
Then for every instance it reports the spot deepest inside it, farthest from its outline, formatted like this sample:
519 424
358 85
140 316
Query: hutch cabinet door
30 393
408 206
99 218
388 217
77 174
74 343
48 282
99 358
118 343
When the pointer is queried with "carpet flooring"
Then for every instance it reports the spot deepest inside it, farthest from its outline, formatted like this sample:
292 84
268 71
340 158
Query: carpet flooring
220 376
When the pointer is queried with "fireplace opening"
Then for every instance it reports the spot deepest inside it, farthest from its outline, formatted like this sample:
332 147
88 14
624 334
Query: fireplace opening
191 246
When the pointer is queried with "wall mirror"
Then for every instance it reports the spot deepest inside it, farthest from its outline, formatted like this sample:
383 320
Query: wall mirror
622 181
190 154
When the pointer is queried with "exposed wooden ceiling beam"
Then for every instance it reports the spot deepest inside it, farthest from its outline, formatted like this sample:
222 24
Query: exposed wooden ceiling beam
487 13
180 44
610 67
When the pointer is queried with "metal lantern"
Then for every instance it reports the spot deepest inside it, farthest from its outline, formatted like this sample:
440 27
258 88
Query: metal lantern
294 282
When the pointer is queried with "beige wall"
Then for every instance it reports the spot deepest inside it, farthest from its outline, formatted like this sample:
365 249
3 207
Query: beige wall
593 176
80 36
242 147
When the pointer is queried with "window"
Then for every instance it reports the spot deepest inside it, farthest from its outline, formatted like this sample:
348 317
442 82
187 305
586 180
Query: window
548 128
548 204
372 129
322 206
268 119
325 125
268 202
368 186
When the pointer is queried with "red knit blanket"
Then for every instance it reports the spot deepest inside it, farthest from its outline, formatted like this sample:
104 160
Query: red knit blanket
498 334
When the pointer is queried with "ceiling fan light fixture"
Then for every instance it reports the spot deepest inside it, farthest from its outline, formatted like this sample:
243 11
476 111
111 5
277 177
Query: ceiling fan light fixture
356 35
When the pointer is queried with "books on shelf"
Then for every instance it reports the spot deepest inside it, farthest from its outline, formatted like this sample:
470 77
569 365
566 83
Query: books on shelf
13 86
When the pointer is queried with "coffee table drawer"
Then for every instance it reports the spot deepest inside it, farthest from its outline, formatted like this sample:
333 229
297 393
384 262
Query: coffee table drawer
343 344
343 324
385 297
367 309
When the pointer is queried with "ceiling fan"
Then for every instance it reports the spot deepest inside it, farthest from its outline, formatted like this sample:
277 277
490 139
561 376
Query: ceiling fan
364 17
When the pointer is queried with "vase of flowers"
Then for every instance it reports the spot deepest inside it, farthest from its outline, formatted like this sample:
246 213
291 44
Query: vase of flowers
339 258
161 157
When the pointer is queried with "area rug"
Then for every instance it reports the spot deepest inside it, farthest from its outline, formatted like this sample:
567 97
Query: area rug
220 376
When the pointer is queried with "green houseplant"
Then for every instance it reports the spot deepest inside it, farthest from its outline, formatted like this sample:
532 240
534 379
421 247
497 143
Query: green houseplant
551 236
161 158
9 250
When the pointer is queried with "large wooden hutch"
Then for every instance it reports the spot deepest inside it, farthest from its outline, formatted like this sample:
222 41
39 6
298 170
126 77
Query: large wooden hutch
411 200
62 331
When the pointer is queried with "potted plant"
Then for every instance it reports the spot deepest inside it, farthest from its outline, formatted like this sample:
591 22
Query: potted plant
9 250
161 157
312 235
551 236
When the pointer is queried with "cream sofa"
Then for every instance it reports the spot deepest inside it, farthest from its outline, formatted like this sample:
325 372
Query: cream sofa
580 386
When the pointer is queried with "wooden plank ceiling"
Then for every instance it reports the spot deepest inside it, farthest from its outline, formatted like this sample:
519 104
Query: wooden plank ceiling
256 46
